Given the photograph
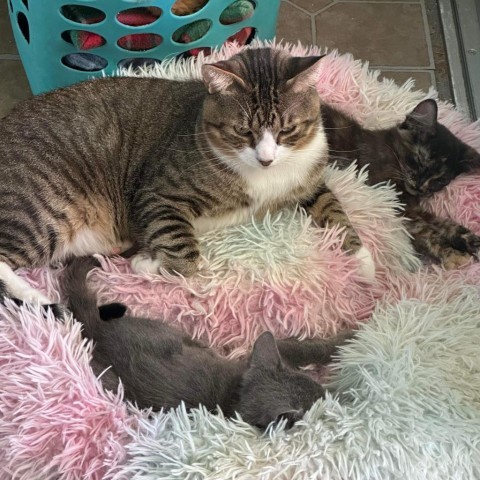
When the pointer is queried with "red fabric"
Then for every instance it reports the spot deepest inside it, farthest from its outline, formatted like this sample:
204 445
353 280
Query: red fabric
240 37
145 41
137 41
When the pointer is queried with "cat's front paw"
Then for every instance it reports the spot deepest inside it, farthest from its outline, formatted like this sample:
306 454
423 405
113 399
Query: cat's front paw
144 263
453 259
367 265
30 295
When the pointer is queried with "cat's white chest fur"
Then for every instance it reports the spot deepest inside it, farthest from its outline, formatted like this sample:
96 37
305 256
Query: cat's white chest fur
290 169
267 185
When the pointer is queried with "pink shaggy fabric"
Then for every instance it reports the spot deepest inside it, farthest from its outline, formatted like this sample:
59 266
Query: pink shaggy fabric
55 420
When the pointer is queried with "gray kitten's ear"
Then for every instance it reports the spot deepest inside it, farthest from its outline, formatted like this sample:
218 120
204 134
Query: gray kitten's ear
221 77
265 352
304 72
423 117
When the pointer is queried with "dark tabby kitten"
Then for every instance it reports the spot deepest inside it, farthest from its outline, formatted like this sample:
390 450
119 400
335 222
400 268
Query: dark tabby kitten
99 165
421 156
161 367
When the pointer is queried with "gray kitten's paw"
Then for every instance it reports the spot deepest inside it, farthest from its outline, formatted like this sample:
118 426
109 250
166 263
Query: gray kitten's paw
367 265
144 263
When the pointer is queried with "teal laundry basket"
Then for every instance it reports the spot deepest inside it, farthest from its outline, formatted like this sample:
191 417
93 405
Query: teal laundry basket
43 32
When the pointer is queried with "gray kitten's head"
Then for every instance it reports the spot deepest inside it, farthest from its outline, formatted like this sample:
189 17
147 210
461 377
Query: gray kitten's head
434 156
271 391
262 109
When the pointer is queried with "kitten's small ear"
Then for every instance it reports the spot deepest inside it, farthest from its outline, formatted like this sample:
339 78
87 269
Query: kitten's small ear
265 352
221 78
304 72
423 116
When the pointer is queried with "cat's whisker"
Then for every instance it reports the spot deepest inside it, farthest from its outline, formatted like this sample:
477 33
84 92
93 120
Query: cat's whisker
248 114
343 151
195 134
336 128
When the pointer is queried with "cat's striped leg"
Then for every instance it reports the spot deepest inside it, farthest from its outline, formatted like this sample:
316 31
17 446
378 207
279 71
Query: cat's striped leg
167 240
325 210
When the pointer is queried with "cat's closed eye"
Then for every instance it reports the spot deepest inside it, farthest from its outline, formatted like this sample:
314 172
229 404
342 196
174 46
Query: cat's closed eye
242 130
288 129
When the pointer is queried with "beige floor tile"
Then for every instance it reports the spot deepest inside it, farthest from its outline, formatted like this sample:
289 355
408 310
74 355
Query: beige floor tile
312 5
7 42
13 85
294 25
389 1
384 34
423 80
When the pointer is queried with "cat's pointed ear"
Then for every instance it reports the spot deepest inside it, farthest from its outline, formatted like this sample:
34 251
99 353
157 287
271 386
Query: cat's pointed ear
304 72
221 77
423 117
265 352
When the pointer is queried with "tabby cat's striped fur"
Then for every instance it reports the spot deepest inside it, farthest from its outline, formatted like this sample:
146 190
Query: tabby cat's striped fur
96 166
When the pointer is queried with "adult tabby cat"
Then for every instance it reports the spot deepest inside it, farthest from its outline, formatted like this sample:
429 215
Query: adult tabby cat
421 156
98 165
161 367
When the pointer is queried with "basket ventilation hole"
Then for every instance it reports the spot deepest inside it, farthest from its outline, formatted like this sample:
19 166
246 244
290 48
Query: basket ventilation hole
237 12
82 14
139 42
84 62
82 39
25 2
10 5
138 17
181 8
23 26
192 32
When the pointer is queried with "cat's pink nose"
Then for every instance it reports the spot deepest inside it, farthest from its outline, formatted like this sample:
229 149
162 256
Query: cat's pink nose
265 163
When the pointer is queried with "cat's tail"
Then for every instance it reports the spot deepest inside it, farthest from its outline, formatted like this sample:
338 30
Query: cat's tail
80 300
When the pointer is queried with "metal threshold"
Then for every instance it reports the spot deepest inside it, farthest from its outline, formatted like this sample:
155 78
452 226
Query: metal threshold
461 27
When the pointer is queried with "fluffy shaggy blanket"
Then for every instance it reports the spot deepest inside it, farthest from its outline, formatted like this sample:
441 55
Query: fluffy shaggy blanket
406 401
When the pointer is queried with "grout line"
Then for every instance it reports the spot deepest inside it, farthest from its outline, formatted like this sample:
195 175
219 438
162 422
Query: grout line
323 9
9 56
426 27
297 7
433 80
313 26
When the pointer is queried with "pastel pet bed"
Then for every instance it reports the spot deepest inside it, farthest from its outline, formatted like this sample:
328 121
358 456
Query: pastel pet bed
406 395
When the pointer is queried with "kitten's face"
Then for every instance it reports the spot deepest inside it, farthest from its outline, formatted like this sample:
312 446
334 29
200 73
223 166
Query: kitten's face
435 156
262 107
271 391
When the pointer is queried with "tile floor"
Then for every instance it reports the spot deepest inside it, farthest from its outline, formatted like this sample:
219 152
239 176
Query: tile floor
400 38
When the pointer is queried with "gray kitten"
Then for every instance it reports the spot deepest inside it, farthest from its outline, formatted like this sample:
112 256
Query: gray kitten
161 367
100 165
